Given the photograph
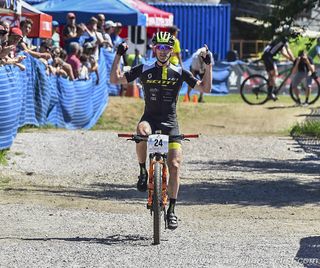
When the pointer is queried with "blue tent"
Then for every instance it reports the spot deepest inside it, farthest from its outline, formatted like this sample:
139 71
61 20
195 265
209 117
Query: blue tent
116 10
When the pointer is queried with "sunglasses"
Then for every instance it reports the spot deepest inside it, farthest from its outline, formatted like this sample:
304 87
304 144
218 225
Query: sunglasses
163 47
3 32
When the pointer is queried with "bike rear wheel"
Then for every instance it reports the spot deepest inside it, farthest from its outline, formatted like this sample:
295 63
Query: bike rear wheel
254 90
302 88
157 203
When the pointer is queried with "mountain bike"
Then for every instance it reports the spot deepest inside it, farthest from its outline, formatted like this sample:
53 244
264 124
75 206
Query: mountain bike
254 89
157 148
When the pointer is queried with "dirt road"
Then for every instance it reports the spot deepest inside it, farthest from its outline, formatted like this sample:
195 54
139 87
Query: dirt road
68 199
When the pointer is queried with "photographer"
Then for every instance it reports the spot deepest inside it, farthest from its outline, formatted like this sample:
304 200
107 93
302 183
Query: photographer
302 70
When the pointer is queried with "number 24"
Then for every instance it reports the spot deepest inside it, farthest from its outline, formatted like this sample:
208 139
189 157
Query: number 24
158 142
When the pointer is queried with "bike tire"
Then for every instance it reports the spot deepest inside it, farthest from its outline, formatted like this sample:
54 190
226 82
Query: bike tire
314 95
157 200
254 89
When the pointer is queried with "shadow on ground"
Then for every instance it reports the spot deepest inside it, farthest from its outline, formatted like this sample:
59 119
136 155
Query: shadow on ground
309 252
108 240
282 185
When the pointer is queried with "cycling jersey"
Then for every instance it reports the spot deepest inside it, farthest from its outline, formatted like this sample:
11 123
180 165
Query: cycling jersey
276 45
161 85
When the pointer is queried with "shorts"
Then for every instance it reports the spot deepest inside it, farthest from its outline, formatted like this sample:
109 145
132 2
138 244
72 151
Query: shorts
174 143
299 77
268 62
196 73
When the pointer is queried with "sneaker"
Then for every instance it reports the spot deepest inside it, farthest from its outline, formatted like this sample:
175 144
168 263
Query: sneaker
142 184
172 221
305 104
273 97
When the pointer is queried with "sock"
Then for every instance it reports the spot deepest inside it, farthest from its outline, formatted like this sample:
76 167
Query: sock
270 89
171 205
143 169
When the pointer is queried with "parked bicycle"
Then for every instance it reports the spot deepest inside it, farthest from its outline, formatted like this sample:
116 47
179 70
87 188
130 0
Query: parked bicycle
254 89
158 148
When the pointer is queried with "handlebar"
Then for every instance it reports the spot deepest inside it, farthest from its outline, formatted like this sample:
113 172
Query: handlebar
137 137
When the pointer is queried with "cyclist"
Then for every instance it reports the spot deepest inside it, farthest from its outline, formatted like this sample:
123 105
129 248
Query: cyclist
161 82
280 44
303 68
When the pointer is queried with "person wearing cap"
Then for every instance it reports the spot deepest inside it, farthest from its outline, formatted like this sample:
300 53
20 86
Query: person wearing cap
14 39
176 56
116 39
69 31
55 34
109 29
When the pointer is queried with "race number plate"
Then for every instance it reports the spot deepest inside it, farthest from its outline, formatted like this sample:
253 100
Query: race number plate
158 143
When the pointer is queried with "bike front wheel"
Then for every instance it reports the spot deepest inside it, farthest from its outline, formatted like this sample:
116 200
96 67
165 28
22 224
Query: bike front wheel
157 203
310 89
254 90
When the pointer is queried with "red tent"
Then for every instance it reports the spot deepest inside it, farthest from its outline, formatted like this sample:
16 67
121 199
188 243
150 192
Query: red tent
155 16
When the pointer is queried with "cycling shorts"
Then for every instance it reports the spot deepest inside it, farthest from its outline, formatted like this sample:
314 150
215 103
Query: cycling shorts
268 62
174 143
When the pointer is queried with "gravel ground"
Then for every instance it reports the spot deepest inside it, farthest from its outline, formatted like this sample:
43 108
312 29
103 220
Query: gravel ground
68 199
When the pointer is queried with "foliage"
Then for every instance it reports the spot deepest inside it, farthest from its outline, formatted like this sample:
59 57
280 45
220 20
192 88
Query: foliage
307 128
284 12
3 157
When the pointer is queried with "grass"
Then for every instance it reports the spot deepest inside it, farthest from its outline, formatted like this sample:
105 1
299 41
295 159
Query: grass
219 115
3 157
307 129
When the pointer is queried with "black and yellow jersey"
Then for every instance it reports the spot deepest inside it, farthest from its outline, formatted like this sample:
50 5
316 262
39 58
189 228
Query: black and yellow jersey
161 85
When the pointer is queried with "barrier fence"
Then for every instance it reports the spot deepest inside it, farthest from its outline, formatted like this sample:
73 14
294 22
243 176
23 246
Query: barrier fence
34 98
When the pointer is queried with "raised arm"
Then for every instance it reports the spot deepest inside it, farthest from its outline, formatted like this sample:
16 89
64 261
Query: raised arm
116 76
206 83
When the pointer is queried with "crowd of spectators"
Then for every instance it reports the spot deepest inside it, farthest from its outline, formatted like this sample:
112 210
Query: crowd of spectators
72 52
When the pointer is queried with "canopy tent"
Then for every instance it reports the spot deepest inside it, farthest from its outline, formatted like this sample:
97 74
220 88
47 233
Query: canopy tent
155 16
116 10
41 22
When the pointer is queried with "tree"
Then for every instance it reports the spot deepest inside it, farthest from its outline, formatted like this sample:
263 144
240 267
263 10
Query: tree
285 12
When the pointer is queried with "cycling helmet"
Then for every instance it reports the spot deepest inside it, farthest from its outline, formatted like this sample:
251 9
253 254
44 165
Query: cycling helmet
163 38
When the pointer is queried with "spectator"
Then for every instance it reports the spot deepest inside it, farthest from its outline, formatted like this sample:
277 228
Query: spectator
26 27
73 60
69 31
198 69
92 63
303 67
4 48
101 21
115 37
62 68
55 34
5 25
14 39
92 33
176 55
84 71
109 29
26 44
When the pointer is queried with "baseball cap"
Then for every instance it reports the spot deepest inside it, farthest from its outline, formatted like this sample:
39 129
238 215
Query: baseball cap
16 31
109 24
55 23
87 45
71 15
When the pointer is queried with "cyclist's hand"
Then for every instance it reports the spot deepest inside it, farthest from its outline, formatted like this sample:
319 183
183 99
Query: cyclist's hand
122 48
205 55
